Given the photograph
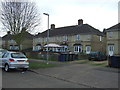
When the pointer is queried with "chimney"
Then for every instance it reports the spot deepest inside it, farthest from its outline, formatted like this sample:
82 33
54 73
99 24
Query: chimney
80 22
8 32
52 26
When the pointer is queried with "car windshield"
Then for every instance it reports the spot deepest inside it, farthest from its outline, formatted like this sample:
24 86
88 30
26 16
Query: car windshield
18 55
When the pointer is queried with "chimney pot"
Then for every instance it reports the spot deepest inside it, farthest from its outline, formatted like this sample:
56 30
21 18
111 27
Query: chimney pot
52 26
8 32
80 22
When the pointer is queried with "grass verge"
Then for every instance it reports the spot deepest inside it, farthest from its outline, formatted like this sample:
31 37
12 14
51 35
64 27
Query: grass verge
37 65
95 63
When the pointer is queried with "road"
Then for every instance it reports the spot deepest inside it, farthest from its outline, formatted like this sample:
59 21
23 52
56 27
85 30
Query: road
64 76
29 79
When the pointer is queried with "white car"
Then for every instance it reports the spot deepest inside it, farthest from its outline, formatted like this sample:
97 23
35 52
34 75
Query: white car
14 60
2 51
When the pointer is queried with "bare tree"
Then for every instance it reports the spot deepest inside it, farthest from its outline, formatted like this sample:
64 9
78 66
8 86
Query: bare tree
18 17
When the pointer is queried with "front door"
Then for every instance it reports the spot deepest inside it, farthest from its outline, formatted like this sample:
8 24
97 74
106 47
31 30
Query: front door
110 50
88 49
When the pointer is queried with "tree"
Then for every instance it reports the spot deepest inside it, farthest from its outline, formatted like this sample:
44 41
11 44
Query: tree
19 17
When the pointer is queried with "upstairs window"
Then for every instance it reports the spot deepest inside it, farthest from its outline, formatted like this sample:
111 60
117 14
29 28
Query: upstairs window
65 38
77 37
100 38
110 34
88 36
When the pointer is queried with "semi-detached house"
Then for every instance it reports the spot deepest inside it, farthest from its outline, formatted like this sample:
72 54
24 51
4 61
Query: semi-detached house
77 38
10 44
113 40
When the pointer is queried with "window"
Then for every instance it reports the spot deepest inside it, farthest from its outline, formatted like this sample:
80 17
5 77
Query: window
77 37
77 48
11 47
65 38
38 47
18 55
11 41
65 48
88 36
110 34
5 55
100 38
16 47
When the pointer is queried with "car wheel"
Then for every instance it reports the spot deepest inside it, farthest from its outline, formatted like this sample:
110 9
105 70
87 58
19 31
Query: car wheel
6 68
89 59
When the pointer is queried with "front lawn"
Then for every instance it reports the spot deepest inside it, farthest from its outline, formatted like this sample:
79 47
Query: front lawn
37 65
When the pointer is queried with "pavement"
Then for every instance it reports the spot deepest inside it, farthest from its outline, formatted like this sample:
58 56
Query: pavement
64 75
82 74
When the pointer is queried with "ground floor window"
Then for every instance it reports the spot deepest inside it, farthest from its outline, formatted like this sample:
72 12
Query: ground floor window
88 49
14 47
64 48
37 47
11 47
77 48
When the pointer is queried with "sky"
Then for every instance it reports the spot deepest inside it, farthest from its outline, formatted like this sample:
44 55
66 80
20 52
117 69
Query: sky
98 13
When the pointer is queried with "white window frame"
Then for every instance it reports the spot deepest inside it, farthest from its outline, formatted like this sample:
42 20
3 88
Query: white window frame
77 48
110 34
65 48
100 38
11 47
37 47
88 36
77 37
65 38
16 47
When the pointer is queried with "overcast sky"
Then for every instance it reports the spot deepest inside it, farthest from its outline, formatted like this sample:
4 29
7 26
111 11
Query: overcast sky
97 13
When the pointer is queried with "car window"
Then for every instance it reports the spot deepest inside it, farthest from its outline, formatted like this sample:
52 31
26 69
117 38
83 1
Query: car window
18 55
5 55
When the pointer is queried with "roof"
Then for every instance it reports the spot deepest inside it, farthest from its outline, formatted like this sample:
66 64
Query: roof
115 27
9 36
71 30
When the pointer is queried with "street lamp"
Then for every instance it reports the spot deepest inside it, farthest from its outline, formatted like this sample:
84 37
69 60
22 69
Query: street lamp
47 36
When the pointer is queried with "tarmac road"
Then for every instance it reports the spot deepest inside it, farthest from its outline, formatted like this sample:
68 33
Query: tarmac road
29 79
64 76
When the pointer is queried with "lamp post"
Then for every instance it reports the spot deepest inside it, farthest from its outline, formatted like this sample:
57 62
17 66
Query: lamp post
47 36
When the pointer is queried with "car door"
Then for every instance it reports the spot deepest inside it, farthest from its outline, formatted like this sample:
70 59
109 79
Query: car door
5 59
0 59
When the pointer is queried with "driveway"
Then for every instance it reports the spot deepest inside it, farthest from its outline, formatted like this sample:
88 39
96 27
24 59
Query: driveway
69 75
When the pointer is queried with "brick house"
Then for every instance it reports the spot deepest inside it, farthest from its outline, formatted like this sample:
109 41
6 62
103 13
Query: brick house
77 38
10 44
113 40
